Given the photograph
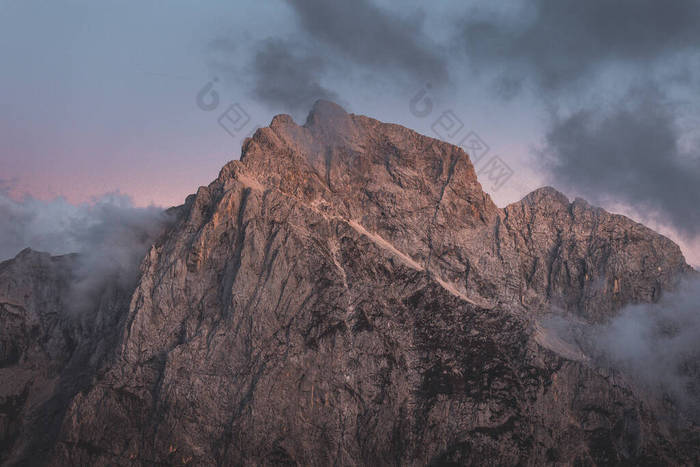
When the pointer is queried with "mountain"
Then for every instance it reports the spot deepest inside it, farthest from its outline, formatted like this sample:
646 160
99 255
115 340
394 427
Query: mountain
346 293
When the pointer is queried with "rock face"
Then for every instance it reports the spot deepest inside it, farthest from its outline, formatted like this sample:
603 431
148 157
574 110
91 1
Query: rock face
48 350
347 293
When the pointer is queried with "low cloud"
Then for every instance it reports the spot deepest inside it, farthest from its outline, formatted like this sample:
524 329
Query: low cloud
60 227
659 346
656 346
6 185
110 235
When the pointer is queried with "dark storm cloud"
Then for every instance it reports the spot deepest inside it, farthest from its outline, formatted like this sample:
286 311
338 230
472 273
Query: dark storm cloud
287 76
630 153
559 43
367 35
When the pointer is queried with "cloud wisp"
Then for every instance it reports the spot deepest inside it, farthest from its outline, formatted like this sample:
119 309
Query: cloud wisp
111 237
656 346
659 345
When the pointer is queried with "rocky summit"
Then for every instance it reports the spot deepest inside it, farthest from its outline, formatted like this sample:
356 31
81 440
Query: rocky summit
344 294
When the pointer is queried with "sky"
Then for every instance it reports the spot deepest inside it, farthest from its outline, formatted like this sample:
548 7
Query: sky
145 101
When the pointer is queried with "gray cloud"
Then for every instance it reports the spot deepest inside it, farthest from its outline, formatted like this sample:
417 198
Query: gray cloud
289 77
6 185
334 42
655 346
629 153
367 35
37 224
559 44
110 235
59 227
659 345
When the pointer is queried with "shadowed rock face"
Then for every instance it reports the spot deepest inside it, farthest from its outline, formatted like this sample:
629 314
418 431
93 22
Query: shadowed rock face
49 349
347 293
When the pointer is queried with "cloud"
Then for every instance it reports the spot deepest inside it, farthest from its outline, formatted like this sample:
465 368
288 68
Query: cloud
368 35
333 42
110 235
59 227
559 45
288 77
629 153
659 345
37 224
655 346
7 184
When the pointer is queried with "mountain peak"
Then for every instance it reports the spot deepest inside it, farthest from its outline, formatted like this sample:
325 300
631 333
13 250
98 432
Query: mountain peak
546 194
325 120
330 297
324 113
361 168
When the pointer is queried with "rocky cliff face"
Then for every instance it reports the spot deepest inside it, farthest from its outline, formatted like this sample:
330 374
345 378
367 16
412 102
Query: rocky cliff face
49 348
347 293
